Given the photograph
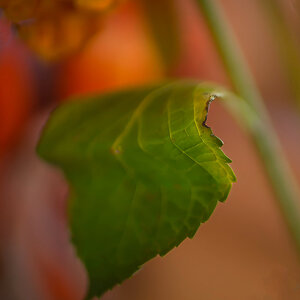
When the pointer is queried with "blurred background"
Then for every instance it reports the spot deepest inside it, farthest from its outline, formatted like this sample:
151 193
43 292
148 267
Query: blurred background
244 251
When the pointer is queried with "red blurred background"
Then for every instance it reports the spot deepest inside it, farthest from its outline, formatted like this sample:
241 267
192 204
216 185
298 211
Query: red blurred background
243 252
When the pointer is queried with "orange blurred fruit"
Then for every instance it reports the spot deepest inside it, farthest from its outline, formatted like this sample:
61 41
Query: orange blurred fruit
16 92
121 54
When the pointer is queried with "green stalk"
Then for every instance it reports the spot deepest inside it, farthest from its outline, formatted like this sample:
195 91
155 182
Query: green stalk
251 112
287 45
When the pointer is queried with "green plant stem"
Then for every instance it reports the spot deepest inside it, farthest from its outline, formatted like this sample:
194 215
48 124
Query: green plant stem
251 112
289 52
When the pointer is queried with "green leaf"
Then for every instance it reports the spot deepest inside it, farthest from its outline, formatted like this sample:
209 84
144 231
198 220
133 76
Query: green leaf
162 19
144 171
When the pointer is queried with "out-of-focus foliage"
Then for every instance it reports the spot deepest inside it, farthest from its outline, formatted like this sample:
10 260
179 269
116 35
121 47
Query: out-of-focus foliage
287 44
56 28
162 17
144 171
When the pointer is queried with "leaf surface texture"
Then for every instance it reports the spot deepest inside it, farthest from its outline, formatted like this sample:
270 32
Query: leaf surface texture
144 171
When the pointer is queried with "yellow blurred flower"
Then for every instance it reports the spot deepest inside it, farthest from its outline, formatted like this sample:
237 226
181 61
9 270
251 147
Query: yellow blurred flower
96 5
55 28
19 10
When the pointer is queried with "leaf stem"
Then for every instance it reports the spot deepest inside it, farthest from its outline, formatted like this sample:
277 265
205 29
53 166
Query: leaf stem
252 113
287 45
